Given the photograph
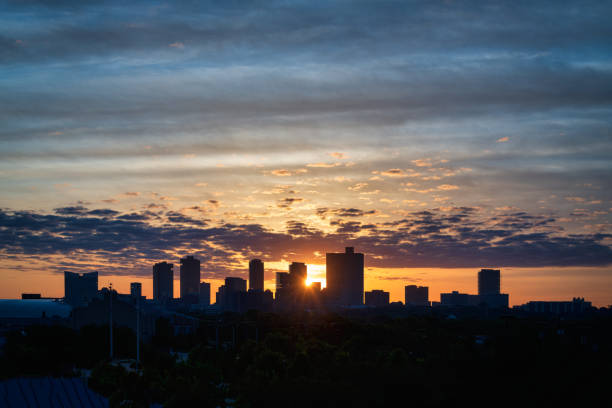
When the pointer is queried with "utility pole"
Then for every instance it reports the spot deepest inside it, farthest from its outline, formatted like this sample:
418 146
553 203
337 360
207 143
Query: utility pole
110 298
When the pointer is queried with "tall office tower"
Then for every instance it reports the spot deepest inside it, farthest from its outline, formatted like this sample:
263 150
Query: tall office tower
298 274
344 275
416 295
136 289
235 284
190 279
256 274
80 289
205 293
282 280
163 282
230 295
488 282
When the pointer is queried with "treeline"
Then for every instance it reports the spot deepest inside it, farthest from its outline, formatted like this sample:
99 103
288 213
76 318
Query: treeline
328 360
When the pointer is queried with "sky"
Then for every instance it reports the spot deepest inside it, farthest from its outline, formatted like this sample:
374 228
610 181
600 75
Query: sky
436 137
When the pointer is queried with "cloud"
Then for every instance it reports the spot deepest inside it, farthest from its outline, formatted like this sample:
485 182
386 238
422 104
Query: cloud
422 162
338 155
446 187
324 165
323 212
281 172
177 44
288 202
450 237
393 173
503 139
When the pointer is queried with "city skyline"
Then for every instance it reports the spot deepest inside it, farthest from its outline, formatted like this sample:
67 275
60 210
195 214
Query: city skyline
136 133
489 285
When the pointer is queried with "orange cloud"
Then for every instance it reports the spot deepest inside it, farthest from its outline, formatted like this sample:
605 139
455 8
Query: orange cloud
448 187
393 173
338 155
323 165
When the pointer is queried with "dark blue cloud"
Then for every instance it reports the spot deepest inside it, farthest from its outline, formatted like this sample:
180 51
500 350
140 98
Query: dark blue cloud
431 238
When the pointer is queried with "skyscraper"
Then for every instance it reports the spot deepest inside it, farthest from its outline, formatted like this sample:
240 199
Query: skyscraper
344 274
230 295
488 282
489 289
136 289
205 293
416 295
298 273
80 289
190 279
256 274
291 286
163 282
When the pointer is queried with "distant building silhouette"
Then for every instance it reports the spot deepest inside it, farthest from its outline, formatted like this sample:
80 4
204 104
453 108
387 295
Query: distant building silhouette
344 275
229 296
205 293
80 289
291 286
416 295
163 282
489 288
489 282
256 274
576 306
190 279
257 300
30 296
458 299
298 273
283 288
136 289
377 298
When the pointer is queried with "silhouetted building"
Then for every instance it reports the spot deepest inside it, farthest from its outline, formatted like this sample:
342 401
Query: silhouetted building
124 309
235 284
256 274
344 274
163 282
489 282
496 300
489 288
458 299
229 296
136 289
416 295
257 300
30 296
205 293
576 306
190 279
80 289
377 298
298 273
291 287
